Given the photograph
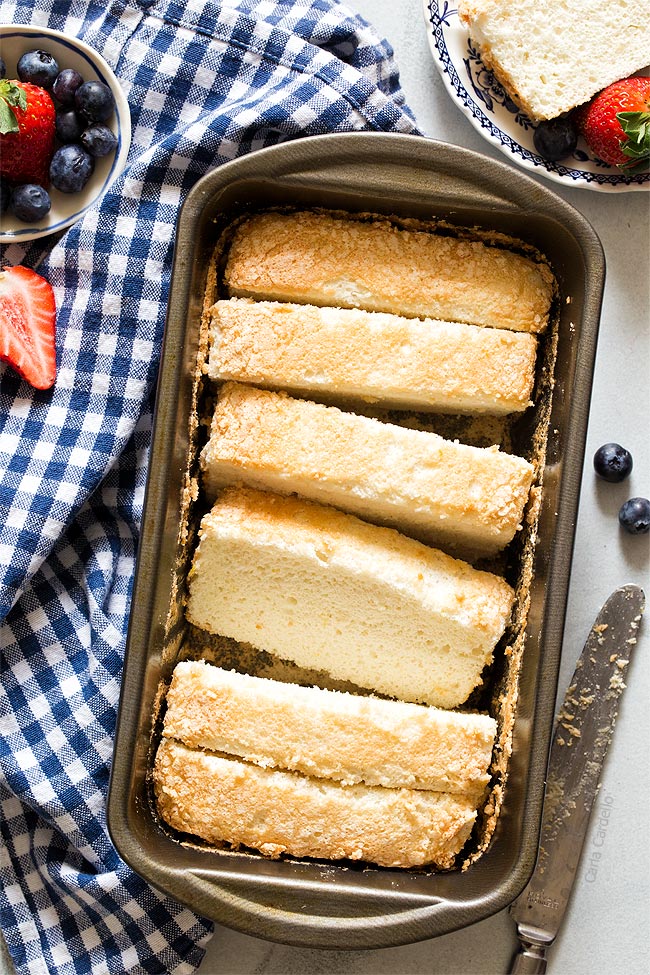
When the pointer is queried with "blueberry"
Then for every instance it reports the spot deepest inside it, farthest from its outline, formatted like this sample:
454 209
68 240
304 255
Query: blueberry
38 68
30 203
634 516
556 138
65 85
613 462
94 101
68 125
5 195
3 68
98 140
71 168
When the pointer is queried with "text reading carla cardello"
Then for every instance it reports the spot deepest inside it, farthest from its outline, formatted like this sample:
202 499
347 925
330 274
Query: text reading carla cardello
602 818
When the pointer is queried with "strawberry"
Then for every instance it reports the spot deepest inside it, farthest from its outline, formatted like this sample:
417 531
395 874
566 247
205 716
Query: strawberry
616 124
27 116
27 320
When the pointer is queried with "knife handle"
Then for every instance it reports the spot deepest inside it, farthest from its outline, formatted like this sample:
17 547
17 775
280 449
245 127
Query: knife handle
529 960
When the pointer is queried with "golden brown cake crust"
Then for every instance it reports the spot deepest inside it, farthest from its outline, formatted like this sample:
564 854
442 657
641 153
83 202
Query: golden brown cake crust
347 353
223 800
466 500
328 734
320 259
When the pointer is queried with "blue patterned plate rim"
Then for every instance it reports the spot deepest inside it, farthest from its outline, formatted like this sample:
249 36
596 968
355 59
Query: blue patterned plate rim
485 103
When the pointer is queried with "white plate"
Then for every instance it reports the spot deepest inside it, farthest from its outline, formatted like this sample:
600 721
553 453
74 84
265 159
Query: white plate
487 106
69 52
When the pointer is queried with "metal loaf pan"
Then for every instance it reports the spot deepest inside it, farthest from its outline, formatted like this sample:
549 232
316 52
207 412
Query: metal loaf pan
312 903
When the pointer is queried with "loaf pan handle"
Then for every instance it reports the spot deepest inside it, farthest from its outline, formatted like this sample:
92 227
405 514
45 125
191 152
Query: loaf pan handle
294 913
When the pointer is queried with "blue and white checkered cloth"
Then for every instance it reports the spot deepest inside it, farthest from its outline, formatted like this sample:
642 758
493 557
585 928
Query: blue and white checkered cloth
206 81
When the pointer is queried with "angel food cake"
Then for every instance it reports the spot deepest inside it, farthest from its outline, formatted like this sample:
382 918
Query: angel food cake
283 768
467 500
323 259
553 57
331 592
329 540
349 354
329 734
224 800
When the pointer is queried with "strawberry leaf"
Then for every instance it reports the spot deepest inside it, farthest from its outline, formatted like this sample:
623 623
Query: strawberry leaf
636 145
12 96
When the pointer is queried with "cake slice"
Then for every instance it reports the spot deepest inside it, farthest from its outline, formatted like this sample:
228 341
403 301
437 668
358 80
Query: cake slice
324 259
329 734
553 57
224 800
467 500
348 354
330 592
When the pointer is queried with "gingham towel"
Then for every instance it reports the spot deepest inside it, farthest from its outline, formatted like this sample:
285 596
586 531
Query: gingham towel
206 82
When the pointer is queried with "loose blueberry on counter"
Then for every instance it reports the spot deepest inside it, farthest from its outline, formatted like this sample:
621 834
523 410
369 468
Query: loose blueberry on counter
98 140
555 139
612 462
94 101
71 168
30 203
3 68
67 125
65 85
38 68
634 516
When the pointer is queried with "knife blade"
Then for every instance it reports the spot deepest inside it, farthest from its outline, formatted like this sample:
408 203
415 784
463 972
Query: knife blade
581 737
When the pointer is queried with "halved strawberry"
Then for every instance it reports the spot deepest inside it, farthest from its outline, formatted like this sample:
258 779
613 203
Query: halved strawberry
27 325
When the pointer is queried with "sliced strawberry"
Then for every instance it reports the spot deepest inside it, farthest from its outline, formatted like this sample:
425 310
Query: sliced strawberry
27 325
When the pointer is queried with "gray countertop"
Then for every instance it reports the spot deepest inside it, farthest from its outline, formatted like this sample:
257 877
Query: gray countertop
605 931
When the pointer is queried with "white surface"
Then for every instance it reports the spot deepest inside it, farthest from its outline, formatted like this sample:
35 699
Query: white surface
605 931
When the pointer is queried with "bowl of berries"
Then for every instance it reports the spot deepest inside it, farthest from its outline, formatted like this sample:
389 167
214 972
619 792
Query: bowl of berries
65 131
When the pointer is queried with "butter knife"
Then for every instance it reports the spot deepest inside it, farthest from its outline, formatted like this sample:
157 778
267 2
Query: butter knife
583 731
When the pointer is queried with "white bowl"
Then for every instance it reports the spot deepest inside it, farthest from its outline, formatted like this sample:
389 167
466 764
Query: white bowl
69 52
